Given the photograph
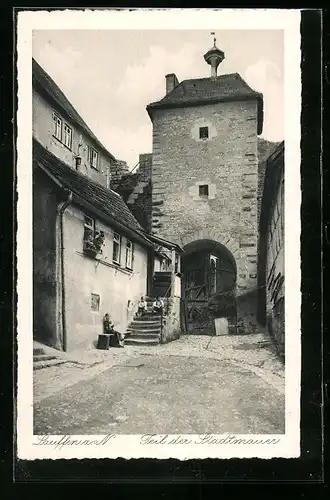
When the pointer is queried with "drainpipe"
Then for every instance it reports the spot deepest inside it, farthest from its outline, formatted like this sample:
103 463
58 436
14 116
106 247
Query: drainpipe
61 213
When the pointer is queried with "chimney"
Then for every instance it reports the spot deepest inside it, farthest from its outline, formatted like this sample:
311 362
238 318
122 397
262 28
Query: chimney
171 82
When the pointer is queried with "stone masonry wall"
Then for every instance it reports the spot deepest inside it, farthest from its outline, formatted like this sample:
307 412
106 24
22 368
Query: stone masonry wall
227 162
118 170
137 184
145 166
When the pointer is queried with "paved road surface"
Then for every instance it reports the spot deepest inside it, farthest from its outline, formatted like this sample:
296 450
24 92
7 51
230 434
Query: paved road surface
165 394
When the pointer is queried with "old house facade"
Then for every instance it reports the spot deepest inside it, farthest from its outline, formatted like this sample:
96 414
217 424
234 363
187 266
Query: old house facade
271 270
91 255
61 130
204 192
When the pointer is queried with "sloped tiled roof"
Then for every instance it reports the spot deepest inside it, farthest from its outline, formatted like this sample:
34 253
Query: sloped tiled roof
46 85
201 91
104 200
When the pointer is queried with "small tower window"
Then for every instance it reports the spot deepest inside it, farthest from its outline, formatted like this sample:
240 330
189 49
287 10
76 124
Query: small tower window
204 191
203 132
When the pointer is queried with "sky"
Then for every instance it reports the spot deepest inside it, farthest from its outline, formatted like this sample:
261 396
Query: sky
110 76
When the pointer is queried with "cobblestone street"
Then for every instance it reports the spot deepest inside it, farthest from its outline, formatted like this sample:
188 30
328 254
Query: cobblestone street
194 385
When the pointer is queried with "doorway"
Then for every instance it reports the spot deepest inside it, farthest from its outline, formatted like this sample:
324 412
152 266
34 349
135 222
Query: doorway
208 284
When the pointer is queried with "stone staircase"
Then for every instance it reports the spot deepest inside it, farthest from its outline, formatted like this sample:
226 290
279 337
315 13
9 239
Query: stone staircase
145 330
41 359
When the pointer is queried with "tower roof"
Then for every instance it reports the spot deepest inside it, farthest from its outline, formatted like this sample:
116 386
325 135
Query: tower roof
214 57
214 51
201 91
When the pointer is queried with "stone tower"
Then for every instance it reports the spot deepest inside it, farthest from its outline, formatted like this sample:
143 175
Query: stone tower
204 190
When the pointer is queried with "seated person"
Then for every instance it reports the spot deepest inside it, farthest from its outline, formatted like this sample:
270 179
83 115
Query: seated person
142 307
108 329
158 306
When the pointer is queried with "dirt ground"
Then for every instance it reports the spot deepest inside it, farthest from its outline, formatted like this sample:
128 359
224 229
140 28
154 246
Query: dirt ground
193 385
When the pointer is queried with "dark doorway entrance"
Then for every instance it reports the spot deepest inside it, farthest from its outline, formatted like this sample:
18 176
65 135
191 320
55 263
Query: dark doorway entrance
209 279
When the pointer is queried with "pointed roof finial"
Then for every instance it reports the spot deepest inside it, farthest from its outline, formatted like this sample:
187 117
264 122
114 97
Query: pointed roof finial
214 39
214 57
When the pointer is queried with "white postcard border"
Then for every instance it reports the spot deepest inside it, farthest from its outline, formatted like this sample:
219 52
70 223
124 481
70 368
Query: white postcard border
131 446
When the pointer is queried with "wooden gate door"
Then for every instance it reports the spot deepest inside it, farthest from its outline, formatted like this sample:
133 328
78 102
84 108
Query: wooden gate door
196 279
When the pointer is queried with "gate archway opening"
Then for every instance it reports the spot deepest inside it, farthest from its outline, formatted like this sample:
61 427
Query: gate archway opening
208 286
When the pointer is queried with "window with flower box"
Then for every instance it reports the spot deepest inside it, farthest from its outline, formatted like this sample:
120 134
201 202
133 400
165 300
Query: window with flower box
93 240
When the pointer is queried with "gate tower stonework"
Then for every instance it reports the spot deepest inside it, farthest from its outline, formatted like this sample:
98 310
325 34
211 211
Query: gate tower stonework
205 171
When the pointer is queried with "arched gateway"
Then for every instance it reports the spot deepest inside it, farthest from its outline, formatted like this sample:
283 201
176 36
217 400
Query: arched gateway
208 285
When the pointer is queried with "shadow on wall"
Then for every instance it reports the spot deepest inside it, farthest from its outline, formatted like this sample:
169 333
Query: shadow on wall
246 312
276 326
44 314
240 311
222 305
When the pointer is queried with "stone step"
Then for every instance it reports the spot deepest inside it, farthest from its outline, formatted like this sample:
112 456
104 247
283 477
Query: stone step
138 325
138 341
38 365
43 357
148 317
144 330
139 335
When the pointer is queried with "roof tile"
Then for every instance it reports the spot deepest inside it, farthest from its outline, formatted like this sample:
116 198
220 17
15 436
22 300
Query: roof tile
224 86
199 91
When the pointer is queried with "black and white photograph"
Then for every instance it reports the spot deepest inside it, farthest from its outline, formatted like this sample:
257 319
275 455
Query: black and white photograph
159 258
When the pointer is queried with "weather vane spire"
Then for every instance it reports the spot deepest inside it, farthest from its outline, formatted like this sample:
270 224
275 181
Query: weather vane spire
214 57
214 39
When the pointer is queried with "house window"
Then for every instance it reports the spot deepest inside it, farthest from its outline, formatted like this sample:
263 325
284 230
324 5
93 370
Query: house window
116 248
67 136
89 229
95 302
57 127
204 191
129 255
203 132
93 158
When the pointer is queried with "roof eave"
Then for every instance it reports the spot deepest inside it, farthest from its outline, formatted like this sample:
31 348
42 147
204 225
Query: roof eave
168 244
